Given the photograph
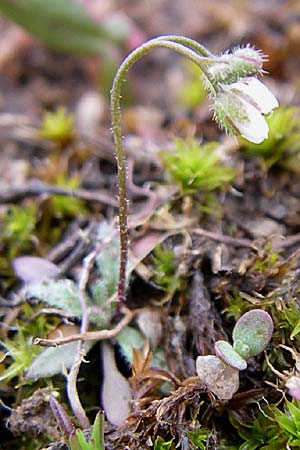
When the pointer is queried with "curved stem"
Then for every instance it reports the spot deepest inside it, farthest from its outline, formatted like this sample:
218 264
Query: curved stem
132 58
191 43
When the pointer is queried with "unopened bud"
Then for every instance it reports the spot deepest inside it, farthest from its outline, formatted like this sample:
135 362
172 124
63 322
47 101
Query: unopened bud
247 61
240 63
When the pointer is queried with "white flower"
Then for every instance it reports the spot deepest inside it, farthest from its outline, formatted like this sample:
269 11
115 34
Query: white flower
255 129
255 91
240 106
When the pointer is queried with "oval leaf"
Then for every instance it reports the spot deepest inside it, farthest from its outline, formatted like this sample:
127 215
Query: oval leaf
226 352
252 333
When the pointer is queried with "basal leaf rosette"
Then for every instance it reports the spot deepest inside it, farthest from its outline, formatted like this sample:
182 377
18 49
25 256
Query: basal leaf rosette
252 333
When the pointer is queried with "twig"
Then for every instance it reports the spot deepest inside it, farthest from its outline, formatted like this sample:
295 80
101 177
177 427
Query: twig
36 187
81 348
51 311
75 233
90 335
236 242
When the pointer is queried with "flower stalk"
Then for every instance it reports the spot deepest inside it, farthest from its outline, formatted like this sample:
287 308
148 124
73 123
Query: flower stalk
235 111
179 46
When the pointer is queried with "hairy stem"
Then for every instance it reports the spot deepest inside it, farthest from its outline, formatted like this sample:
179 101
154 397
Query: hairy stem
188 42
185 47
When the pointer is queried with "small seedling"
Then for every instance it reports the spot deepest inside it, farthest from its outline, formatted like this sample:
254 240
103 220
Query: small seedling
18 226
58 126
165 266
262 433
196 167
161 444
251 335
21 352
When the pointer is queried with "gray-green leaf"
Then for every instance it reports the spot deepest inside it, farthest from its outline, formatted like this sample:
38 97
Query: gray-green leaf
62 294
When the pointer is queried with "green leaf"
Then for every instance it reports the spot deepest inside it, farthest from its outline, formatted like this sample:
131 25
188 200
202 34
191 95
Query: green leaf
252 333
128 339
250 444
160 444
51 361
62 24
98 432
74 442
296 330
62 294
295 414
54 360
199 437
84 445
286 423
226 352
107 263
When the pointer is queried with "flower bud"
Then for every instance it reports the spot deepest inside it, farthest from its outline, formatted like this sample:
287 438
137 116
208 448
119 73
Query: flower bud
222 73
242 62
247 61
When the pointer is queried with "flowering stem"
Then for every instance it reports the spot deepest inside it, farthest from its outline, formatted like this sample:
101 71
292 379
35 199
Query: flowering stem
188 42
186 47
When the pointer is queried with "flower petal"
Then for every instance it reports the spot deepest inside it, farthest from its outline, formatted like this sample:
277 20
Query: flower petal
258 92
255 129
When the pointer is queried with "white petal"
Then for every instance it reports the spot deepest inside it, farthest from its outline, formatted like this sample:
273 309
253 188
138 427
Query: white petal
261 95
255 129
